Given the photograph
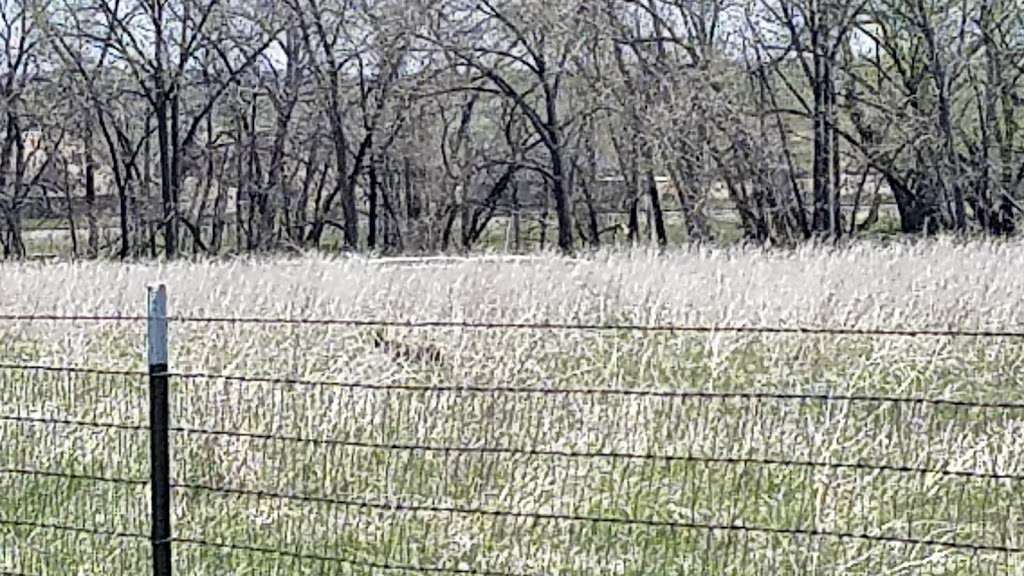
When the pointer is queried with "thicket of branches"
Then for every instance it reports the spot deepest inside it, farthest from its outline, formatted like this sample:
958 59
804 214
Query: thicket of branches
410 125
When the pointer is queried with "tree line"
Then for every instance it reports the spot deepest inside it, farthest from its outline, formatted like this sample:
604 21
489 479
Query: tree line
416 125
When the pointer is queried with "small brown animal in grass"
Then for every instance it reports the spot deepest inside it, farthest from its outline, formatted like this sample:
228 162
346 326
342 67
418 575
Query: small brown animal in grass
404 352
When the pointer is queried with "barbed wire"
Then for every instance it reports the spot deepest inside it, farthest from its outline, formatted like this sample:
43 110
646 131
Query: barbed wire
537 390
74 370
403 507
77 477
608 455
385 566
83 318
596 327
534 326
12 523
49 421
624 392
531 390
609 520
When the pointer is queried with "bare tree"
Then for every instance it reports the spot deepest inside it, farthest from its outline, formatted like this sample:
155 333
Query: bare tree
20 72
393 126
523 49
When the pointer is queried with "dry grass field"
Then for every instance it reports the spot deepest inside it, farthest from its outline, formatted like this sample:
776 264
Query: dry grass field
529 451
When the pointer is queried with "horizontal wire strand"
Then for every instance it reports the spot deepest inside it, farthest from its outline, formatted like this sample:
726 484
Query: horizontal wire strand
752 396
532 326
662 458
532 390
595 327
647 523
72 529
67 476
351 562
626 392
82 370
44 421
72 318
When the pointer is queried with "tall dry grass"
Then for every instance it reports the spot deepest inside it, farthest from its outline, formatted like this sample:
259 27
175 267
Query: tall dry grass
928 285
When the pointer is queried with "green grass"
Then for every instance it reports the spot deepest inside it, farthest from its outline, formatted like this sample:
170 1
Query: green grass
335 479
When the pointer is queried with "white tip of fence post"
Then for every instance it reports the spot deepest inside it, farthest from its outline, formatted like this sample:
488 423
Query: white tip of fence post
157 325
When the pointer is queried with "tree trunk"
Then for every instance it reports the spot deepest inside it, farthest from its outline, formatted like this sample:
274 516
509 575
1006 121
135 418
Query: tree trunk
372 198
348 209
70 213
166 191
656 212
90 195
219 207
633 225
176 157
562 194
837 168
516 219
593 226
147 187
125 233
16 243
543 221
822 141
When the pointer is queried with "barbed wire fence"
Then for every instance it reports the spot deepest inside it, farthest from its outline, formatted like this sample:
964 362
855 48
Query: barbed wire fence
158 471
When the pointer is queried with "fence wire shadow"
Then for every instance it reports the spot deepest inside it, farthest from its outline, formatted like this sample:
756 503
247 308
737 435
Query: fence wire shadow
316 476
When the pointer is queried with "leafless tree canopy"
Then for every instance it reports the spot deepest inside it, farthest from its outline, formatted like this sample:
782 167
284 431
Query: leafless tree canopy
215 126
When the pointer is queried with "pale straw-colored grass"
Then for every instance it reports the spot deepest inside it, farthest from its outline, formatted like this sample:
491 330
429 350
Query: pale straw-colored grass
928 285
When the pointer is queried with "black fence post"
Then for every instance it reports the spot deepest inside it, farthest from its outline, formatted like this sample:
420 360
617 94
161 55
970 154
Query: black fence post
159 426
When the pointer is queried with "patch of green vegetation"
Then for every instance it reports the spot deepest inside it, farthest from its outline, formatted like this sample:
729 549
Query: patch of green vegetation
501 457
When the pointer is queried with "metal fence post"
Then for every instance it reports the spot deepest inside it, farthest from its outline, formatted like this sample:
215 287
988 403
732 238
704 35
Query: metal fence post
159 426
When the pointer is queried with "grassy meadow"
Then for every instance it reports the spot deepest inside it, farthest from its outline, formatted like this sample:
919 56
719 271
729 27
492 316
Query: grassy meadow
506 469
